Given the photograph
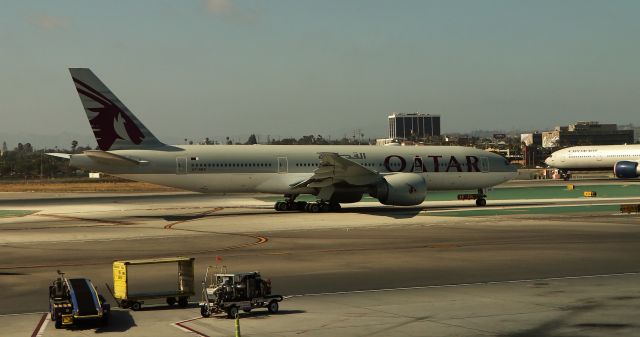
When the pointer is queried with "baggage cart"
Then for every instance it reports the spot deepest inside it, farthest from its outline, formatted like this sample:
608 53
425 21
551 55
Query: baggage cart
179 294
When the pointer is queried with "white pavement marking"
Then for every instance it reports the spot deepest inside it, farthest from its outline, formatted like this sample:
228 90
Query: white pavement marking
24 313
43 327
464 284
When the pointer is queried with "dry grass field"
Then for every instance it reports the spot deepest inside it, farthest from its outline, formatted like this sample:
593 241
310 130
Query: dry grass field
80 185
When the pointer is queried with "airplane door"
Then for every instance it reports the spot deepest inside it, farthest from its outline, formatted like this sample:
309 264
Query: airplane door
283 165
417 164
484 164
181 165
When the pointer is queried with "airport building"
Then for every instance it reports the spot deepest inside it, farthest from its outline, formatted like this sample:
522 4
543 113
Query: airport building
413 126
586 133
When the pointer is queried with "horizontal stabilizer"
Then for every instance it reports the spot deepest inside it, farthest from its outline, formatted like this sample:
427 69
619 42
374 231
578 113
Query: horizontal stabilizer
60 155
111 158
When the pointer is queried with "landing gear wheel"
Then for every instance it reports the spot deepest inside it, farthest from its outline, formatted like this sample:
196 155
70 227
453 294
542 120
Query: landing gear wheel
232 312
314 208
183 302
481 202
204 311
300 205
273 307
135 306
171 301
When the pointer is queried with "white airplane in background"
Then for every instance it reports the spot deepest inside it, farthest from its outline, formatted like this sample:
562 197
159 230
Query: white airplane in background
334 174
623 159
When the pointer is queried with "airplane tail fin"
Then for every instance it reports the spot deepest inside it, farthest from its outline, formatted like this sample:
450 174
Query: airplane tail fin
113 124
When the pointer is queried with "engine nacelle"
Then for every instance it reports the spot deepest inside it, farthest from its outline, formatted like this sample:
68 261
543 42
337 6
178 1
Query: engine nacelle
401 189
626 169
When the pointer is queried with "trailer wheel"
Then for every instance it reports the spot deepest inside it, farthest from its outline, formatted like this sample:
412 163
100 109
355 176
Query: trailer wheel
59 322
183 302
171 301
104 320
232 312
124 304
246 310
204 312
273 307
136 306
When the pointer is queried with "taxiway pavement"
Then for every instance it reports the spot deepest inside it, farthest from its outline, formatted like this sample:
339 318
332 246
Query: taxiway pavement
500 275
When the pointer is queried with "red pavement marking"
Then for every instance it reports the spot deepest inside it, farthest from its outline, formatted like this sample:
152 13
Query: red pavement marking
181 324
35 332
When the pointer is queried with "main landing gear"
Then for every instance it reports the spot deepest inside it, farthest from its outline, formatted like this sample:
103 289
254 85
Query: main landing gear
481 201
312 207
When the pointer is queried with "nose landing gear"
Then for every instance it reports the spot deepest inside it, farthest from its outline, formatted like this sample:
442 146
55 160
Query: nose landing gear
481 201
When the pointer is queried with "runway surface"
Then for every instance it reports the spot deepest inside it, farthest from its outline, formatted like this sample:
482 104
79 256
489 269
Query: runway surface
361 248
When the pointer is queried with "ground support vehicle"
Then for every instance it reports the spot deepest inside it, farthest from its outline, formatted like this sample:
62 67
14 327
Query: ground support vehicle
134 300
630 208
76 299
478 197
231 292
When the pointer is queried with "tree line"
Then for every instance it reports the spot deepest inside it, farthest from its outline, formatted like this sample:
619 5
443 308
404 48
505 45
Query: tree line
304 140
25 162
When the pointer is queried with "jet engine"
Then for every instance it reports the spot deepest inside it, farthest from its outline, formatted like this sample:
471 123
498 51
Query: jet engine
401 189
626 169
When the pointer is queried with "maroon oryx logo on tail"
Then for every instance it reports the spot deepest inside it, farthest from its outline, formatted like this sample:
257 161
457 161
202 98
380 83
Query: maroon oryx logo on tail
111 122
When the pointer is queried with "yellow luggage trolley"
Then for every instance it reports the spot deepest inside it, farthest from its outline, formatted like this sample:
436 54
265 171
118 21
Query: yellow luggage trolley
134 300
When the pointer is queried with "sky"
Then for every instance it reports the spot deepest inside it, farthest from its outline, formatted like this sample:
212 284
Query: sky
218 68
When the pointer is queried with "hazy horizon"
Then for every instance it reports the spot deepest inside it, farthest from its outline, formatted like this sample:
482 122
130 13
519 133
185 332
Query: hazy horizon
221 68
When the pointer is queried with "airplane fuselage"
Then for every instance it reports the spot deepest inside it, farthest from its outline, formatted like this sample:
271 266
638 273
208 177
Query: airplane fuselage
276 168
601 157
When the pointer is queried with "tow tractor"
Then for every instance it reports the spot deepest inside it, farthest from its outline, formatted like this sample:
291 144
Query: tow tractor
231 292
75 299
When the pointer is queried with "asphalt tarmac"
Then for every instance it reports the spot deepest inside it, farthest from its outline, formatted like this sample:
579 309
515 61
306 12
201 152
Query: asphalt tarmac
343 256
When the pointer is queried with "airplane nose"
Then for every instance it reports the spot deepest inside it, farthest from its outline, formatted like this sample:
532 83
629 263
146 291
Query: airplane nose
548 161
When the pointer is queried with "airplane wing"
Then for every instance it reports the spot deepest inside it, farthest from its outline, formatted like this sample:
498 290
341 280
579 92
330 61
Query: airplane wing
335 169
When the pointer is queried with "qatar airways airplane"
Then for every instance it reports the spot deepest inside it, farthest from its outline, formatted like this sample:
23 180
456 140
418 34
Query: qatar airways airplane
623 159
398 176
